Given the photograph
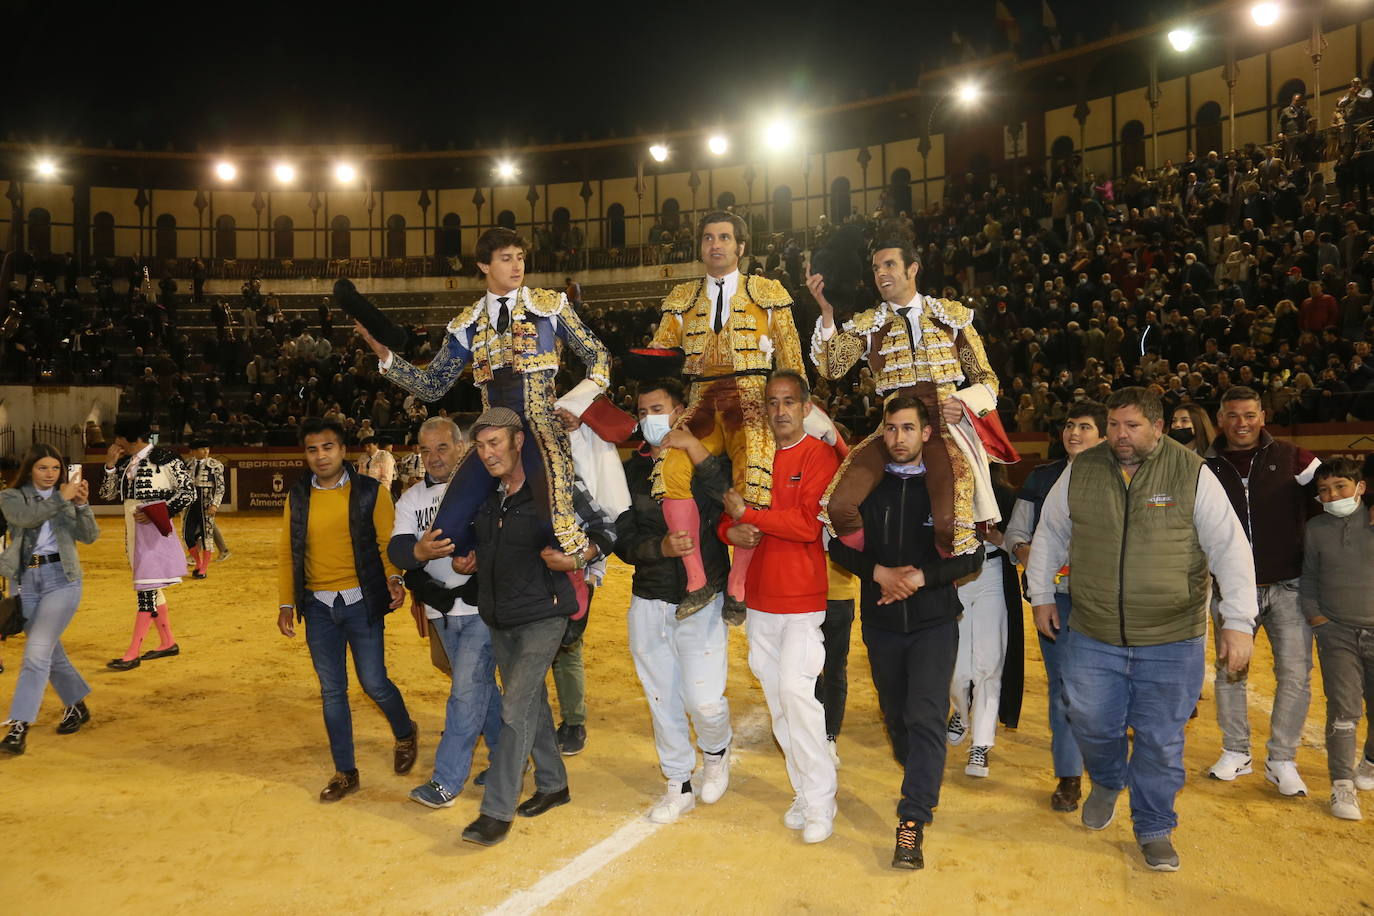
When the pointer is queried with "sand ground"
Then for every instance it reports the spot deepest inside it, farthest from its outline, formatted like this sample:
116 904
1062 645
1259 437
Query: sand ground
193 790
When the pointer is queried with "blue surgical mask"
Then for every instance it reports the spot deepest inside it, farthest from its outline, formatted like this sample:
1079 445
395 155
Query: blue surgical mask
654 426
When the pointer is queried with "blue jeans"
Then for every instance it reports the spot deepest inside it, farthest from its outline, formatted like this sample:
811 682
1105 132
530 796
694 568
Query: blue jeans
49 602
474 704
524 654
1150 690
1063 747
329 632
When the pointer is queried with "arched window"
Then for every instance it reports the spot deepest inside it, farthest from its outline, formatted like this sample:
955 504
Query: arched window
561 228
670 214
450 236
226 238
1208 130
1132 146
103 235
283 237
782 208
1290 89
506 218
395 236
40 231
340 238
615 226
900 189
725 200
1062 147
840 207
165 238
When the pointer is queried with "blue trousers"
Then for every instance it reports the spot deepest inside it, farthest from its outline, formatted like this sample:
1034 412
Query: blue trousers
49 602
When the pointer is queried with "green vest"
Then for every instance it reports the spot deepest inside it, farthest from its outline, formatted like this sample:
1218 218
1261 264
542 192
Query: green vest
1139 575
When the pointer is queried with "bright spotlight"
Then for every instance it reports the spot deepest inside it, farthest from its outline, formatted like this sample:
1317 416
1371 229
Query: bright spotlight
659 152
1182 39
226 171
285 172
1265 14
968 93
505 170
47 168
345 173
718 145
779 134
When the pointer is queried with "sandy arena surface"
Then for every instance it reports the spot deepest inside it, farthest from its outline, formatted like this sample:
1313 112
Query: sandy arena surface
193 790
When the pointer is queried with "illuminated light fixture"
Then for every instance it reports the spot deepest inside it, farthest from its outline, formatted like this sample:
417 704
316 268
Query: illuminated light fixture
345 173
718 144
46 168
505 169
285 172
659 152
779 134
1265 14
226 171
1182 39
968 93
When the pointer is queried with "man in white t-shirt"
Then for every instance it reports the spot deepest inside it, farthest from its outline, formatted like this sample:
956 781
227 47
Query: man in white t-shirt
449 601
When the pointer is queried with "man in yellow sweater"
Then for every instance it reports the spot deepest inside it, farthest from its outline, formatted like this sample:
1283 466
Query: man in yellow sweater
339 581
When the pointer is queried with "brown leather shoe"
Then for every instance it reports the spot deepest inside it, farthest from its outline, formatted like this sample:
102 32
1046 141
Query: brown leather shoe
407 749
1067 793
340 784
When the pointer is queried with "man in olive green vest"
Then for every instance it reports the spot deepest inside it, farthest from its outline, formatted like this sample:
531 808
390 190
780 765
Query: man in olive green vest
1144 525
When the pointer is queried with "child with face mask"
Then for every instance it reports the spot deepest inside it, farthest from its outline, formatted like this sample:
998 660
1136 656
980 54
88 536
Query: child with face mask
1337 578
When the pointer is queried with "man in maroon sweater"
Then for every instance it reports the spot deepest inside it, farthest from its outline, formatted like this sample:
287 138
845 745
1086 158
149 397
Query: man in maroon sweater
785 592
1319 310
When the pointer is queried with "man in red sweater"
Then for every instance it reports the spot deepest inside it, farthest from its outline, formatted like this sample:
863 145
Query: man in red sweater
1319 310
785 592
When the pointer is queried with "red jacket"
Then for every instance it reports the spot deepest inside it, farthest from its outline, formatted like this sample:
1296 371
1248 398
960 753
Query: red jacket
1317 314
787 574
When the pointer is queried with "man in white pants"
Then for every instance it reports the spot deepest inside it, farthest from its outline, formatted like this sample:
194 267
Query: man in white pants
785 593
682 664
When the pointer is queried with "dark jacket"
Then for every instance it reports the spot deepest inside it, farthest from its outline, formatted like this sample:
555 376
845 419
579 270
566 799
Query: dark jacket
367 560
1274 509
641 528
898 532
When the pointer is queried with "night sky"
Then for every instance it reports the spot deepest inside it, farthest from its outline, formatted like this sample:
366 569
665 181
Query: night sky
478 74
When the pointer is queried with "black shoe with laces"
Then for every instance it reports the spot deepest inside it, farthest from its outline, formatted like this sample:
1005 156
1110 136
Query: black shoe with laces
907 853
15 738
73 717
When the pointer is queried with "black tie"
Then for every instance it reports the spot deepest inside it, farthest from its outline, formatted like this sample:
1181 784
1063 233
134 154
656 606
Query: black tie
910 328
503 317
720 306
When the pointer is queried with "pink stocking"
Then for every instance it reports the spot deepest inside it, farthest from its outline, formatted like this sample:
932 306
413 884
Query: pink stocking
853 539
739 571
141 623
203 561
682 515
578 578
164 628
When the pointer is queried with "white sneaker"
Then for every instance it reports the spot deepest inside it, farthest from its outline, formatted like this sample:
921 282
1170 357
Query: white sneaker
795 818
1345 803
955 729
977 761
818 829
1230 766
834 751
673 804
1284 774
715 775
1364 774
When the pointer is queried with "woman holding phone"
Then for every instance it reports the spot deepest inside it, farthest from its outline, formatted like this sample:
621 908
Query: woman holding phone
48 514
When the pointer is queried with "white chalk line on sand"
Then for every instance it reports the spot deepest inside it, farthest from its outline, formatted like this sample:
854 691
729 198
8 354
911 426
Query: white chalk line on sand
748 729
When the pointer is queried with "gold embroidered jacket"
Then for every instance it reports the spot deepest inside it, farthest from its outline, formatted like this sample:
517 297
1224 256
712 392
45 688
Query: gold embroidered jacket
761 335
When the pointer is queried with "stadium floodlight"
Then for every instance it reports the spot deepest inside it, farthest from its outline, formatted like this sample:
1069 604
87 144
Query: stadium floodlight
46 168
1182 39
345 173
779 134
968 93
226 171
506 169
659 152
1265 14
285 172
718 144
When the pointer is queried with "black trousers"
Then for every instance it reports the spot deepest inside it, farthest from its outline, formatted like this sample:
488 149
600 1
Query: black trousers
911 672
832 687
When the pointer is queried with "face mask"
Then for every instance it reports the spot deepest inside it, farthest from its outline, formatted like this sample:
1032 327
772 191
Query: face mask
1183 435
654 426
1342 507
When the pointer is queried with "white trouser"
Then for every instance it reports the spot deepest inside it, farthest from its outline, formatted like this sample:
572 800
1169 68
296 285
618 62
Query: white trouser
786 654
982 652
682 665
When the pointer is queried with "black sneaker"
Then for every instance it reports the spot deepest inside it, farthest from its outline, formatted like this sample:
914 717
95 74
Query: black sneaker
15 738
571 739
73 717
907 853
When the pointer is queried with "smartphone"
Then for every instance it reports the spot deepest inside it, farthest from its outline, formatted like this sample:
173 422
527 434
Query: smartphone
73 473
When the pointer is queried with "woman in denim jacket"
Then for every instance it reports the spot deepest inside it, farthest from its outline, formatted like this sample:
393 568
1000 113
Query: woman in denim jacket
47 516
